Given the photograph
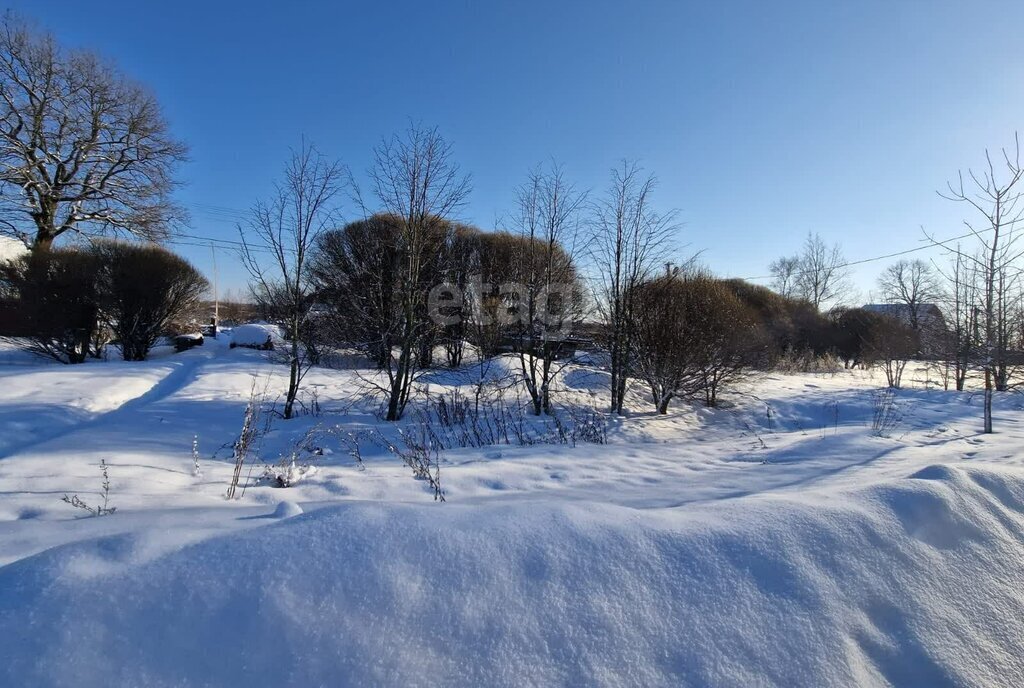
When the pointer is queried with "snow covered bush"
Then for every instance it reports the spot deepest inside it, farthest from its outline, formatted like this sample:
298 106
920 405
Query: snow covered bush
197 472
262 336
419 452
297 465
457 421
588 427
287 474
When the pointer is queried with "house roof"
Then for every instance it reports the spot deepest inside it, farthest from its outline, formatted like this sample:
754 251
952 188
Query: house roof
929 315
901 310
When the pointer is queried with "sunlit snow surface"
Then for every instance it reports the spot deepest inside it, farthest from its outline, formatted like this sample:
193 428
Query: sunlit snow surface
775 541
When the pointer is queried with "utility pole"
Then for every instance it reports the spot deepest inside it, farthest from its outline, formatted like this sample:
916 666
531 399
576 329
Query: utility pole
216 296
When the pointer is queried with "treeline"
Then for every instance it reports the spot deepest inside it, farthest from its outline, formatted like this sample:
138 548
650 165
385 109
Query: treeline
694 335
68 303
88 153
409 281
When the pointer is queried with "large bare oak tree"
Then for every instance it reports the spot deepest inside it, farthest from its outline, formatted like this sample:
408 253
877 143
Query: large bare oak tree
82 147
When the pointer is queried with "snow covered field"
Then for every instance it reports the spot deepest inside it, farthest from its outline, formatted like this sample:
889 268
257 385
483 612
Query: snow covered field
776 541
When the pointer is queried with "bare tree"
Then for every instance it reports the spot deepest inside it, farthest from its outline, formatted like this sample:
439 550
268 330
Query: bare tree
82 148
891 343
276 248
546 305
784 272
630 240
995 197
912 283
963 306
822 275
417 181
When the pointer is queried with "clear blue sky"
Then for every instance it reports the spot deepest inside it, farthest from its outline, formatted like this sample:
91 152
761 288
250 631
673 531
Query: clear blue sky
763 120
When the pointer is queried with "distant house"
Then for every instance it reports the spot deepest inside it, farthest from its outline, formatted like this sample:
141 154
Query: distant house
929 322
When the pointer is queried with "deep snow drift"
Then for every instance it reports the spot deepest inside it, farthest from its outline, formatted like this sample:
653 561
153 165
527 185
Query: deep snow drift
776 541
916 583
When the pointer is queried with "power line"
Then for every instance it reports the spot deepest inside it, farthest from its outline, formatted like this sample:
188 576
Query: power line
862 261
236 216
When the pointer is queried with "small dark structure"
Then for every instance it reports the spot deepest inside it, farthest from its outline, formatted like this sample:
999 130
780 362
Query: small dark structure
184 342
561 347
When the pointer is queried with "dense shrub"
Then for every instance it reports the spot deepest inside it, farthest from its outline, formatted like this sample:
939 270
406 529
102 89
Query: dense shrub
52 301
790 326
142 289
693 338
356 272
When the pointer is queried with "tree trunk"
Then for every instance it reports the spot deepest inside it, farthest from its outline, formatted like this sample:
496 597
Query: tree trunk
293 381
988 400
381 354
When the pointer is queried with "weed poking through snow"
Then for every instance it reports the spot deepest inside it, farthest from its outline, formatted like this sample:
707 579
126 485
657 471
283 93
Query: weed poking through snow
247 438
886 413
196 471
103 510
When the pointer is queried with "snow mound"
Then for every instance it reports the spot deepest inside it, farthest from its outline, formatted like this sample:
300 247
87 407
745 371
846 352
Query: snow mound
838 589
256 335
935 472
11 248
286 510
